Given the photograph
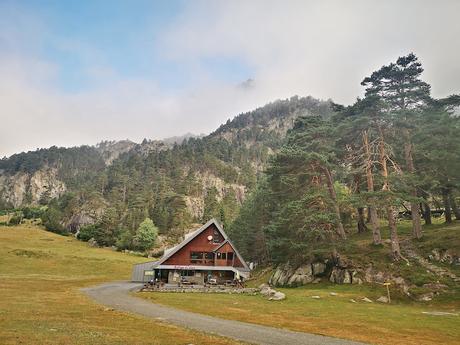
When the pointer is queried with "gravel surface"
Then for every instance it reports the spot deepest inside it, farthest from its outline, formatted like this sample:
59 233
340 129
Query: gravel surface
116 295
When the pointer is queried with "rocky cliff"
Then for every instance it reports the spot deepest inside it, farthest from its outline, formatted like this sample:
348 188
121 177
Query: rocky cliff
173 181
24 188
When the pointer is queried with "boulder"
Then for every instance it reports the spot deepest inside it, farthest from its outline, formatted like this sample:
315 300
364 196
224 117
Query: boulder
346 277
401 284
281 275
267 291
426 297
277 296
435 255
382 299
340 276
357 280
318 268
379 277
354 277
302 275
365 299
369 275
445 256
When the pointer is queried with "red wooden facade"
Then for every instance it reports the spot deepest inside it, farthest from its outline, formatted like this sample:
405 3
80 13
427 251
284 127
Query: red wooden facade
205 256
201 251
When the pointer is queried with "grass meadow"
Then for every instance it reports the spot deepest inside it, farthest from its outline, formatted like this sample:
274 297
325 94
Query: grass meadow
403 322
40 302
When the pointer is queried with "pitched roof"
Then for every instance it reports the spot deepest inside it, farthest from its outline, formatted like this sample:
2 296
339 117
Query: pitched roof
189 237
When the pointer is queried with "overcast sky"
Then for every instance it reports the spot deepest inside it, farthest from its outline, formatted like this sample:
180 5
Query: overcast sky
78 72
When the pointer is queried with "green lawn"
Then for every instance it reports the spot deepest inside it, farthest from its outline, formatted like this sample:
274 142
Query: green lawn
40 302
401 323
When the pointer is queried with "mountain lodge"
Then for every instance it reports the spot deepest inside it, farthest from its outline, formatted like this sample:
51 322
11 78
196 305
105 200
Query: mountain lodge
206 256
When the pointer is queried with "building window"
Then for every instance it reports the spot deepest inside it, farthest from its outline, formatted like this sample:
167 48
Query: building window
187 273
196 255
230 256
222 256
201 257
217 237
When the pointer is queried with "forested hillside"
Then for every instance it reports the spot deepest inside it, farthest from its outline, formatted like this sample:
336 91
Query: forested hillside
282 178
393 154
106 191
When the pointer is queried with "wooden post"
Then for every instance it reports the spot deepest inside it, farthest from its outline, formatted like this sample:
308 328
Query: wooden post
387 284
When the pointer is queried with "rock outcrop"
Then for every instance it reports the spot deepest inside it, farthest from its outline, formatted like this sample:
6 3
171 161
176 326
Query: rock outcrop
337 271
444 256
22 188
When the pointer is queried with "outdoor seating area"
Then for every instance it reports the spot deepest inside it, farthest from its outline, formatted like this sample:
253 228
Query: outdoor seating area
164 287
184 284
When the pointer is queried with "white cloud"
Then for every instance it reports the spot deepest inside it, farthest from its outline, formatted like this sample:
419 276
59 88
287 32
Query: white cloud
292 47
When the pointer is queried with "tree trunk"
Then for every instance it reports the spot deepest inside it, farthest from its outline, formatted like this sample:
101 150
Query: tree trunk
395 249
368 219
376 236
427 213
454 206
361 222
414 206
446 201
333 195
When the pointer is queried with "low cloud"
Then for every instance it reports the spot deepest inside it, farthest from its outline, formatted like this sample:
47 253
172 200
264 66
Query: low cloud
323 49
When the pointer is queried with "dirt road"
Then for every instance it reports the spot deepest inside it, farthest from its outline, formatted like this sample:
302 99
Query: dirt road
116 295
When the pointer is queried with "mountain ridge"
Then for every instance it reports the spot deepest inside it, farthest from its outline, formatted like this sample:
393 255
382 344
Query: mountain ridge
178 182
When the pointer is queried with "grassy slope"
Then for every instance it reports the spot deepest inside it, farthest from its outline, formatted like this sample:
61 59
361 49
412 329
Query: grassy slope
40 302
402 322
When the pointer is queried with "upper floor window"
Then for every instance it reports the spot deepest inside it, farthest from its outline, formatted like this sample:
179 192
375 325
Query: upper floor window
201 257
217 237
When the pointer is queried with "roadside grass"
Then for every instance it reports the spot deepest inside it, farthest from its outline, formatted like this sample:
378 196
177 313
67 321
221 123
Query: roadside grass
40 302
400 323
395 324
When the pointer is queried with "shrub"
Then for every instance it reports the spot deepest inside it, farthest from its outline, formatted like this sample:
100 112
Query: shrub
16 219
51 219
88 232
32 212
125 240
146 235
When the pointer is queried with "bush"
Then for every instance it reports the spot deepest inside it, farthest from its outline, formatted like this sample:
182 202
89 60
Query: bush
51 219
16 219
125 240
32 212
88 232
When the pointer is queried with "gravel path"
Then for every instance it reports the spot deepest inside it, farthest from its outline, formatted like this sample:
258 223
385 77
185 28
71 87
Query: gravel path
116 295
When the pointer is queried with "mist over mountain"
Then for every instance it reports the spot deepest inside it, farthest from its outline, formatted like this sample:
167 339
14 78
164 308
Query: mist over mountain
176 181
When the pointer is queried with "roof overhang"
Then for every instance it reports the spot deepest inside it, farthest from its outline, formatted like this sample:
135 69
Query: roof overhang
241 271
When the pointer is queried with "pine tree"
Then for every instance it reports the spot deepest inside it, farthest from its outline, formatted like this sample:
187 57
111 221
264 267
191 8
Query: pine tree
400 87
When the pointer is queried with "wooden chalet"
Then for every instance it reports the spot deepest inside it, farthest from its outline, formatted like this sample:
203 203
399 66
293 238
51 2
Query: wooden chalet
206 256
